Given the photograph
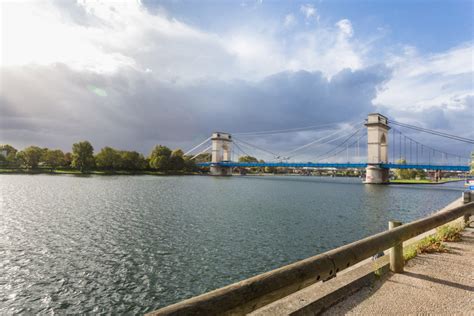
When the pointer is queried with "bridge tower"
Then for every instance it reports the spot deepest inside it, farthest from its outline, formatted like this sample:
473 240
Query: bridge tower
377 149
221 151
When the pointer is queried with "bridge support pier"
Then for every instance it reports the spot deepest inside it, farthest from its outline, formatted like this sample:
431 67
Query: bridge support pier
221 152
377 149
374 174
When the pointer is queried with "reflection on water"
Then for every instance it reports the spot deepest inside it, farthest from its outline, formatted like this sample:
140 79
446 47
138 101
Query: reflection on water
131 244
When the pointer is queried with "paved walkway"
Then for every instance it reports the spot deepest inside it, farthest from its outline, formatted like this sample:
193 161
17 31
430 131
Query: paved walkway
433 284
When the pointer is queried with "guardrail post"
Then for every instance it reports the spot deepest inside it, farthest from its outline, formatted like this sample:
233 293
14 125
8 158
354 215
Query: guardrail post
396 253
467 196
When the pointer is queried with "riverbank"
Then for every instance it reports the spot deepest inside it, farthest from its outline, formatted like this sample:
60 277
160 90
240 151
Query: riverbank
95 172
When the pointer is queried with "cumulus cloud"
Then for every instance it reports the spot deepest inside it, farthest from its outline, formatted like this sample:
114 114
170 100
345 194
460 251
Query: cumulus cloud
346 27
104 37
310 12
434 91
421 82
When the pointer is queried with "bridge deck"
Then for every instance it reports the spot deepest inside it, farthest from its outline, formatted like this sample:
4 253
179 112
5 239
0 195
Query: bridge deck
232 164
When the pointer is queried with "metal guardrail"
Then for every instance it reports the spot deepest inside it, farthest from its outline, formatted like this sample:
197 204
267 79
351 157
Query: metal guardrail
255 292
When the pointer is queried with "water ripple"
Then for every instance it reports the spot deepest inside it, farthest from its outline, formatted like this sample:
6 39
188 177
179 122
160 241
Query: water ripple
129 245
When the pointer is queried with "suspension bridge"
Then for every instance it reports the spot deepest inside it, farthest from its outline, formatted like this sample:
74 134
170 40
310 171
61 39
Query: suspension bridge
359 145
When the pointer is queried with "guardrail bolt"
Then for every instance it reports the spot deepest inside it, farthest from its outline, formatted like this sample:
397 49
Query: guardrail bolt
396 253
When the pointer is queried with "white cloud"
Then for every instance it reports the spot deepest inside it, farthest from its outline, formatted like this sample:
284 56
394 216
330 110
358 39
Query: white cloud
289 21
421 82
346 27
310 12
101 36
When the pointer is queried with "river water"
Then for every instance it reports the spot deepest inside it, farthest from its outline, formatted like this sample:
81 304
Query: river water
132 244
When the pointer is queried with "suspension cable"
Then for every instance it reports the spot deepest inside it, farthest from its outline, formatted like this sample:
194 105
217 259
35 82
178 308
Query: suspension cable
350 145
433 132
288 130
256 147
434 149
341 144
318 140
195 147
202 152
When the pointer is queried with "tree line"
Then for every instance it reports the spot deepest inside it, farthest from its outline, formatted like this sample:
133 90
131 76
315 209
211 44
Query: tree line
82 158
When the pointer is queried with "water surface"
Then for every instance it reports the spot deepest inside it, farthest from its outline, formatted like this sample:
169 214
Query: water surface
132 244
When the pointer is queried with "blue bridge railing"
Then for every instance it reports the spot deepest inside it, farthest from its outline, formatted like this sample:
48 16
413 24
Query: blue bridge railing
232 164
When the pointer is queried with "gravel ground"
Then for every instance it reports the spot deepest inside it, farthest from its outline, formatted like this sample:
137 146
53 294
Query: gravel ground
432 284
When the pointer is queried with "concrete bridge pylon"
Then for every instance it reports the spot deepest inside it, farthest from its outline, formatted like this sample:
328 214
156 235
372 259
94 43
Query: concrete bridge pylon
221 151
377 149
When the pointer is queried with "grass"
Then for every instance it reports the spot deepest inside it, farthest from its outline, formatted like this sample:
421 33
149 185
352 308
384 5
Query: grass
450 232
424 181
90 172
434 243
430 244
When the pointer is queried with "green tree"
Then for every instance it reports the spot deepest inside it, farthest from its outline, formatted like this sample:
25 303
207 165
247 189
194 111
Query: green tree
190 164
177 160
53 158
67 159
270 169
30 156
420 174
108 158
247 159
132 160
472 163
82 156
9 154
160 158
405 174
206 157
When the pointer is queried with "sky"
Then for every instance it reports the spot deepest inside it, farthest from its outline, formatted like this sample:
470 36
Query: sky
133 74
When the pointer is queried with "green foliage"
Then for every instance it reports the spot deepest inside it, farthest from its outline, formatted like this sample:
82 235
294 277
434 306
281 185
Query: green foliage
132 160
30 157
176 161
472 164
270 169
160 158
450 232
53 158
430 244
406 174
248 159
8 154
410 253
67 159
190 164
206 157
108 158
83 156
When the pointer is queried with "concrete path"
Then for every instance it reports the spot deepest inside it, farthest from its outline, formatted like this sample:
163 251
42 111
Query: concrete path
433 284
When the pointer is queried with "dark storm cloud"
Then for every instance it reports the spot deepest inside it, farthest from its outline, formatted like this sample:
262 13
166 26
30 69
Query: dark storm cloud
56 106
